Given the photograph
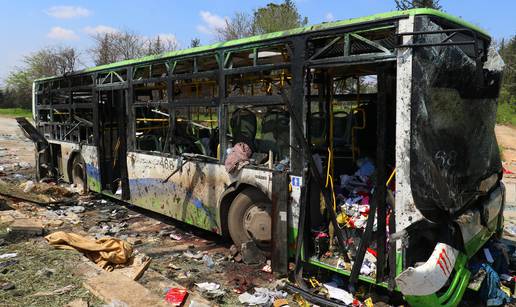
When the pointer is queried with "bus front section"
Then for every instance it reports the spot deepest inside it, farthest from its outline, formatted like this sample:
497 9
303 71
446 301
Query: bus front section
449 197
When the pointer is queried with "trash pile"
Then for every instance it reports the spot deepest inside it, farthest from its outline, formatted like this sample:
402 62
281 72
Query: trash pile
353 197
493 271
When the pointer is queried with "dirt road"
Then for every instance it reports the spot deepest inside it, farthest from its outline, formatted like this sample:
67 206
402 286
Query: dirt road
14 146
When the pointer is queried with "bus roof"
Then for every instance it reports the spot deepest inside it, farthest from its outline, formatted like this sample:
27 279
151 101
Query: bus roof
279 34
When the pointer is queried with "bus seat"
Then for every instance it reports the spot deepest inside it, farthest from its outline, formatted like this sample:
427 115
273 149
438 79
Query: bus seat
244 125
318 130
276 133
342 122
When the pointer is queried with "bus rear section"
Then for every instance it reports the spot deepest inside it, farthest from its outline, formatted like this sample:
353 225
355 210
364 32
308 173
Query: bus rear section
408 154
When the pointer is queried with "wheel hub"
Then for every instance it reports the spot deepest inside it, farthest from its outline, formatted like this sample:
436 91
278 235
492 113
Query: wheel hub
257 222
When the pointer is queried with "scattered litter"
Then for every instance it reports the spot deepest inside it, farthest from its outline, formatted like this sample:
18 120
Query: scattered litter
29 185
195 303
8 263
76 209
267 268
208 261
176 296
176 237
488 255
191 255
281 302
7 286
59 291
210 290
8 255
339 294
261 296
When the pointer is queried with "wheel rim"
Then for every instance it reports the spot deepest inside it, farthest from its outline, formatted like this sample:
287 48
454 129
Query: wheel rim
257 223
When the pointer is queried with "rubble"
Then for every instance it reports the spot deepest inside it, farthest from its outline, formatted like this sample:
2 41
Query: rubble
261 297
210 290
251 254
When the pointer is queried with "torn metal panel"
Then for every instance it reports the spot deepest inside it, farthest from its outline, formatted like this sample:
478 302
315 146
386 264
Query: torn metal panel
406 211
90 156
453 147
431 276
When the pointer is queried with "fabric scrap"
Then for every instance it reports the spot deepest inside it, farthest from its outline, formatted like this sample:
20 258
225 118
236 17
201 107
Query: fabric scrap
107 253
238 157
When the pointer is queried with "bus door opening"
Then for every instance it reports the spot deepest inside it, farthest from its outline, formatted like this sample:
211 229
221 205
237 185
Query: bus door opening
351 130
112 123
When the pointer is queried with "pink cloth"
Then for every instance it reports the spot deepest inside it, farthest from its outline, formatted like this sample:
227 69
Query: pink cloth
238 157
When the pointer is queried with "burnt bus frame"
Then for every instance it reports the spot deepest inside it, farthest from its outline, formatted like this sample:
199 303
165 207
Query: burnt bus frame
299 62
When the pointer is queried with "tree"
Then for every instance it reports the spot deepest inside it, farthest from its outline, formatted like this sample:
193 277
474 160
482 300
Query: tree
43 63
271 18
117 46
195 42
411 4
507 51
277 17
241 25
160 44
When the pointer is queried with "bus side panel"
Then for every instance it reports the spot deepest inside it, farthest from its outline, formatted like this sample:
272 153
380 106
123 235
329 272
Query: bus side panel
91 159
192 194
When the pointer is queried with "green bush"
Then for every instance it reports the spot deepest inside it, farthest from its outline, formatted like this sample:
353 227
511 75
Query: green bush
16 112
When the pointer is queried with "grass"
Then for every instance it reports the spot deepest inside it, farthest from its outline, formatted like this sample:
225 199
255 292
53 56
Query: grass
506 114
16 112
33 255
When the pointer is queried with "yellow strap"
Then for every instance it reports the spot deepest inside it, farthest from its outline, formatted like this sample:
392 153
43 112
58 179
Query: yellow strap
390 177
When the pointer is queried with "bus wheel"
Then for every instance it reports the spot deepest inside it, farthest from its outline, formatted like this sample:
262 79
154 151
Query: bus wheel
79 174
249 219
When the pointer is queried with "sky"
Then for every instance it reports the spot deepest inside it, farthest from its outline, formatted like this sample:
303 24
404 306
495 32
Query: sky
27 26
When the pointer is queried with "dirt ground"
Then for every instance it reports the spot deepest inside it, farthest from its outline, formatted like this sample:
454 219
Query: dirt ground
506 137
181 256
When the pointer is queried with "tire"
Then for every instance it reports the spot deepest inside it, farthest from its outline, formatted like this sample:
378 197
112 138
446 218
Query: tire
79 176
249 219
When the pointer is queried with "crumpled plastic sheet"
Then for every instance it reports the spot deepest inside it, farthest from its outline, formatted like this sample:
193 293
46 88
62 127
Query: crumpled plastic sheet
339 294
261 297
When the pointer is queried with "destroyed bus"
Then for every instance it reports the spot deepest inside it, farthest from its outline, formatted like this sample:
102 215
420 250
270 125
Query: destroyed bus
362 147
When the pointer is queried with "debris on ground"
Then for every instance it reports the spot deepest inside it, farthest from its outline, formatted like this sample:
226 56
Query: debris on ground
261 297
56 291
8 255
105 252
30 227
176 296
251 254
210 290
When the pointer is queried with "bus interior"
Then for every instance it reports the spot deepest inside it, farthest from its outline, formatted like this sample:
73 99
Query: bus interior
351 131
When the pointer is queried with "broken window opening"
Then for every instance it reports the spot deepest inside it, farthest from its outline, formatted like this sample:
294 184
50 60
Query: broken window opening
195 88
263 83
150 92
265 129
152 128
196 130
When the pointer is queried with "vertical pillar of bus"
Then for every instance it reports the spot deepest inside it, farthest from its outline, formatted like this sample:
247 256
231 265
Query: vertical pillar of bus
405 210
222 107
297 154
